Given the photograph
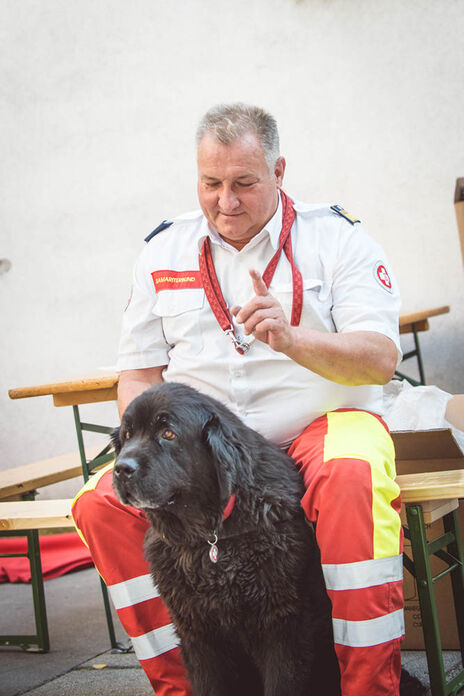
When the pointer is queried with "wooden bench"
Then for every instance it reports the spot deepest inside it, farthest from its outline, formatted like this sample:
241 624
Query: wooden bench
27 478
428 497
35 514
415 322
20 517
459 208
25 518
86 389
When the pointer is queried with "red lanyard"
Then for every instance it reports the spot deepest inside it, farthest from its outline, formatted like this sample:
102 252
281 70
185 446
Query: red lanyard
213 289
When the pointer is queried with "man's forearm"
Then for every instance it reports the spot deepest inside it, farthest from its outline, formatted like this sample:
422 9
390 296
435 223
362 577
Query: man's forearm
351 358
132 383
359 357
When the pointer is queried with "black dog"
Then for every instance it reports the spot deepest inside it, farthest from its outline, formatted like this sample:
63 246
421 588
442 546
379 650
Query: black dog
229 547
246 594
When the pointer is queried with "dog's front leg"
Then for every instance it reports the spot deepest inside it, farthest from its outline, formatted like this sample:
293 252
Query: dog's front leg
289 658
218 669
287 677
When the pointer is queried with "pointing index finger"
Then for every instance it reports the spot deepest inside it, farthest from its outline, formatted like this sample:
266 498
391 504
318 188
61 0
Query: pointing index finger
259 286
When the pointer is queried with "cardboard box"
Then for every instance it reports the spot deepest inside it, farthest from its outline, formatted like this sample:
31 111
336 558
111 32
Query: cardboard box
421 451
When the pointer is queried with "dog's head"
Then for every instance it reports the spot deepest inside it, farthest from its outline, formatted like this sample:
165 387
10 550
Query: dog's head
179 452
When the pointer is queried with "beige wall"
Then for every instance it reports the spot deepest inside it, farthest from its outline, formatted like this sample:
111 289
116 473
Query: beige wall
99 101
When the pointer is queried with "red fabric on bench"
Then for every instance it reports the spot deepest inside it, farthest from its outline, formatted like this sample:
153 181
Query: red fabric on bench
59 553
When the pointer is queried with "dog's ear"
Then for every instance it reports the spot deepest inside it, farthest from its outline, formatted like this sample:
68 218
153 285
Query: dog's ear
232 461
115 441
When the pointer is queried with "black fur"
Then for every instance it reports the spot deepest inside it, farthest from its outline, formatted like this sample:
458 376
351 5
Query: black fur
257 622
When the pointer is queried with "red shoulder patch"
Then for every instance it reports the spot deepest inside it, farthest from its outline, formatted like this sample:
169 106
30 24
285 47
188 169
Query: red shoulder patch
382 277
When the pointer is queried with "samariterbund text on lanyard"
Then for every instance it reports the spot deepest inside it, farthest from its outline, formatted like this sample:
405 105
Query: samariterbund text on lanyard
213 289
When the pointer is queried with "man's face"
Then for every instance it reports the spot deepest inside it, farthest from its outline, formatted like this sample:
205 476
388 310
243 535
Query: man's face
236 190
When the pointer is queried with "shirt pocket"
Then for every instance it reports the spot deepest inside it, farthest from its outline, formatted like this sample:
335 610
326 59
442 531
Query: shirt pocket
180 312
317 302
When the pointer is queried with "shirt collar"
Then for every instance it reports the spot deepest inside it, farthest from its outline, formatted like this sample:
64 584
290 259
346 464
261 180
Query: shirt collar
272 227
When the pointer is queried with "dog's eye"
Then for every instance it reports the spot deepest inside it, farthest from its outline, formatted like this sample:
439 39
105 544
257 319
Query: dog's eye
127 435
168 435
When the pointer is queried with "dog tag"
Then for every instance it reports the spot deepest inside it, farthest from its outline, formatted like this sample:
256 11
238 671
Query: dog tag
214 551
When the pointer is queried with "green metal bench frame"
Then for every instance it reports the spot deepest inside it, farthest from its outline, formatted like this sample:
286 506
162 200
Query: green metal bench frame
415 353
447 547
88 468
38 642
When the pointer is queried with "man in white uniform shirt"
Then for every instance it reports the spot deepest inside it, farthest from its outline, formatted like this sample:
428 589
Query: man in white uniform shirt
288 314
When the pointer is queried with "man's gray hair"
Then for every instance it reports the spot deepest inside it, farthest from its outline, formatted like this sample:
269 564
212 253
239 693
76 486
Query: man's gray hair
229 122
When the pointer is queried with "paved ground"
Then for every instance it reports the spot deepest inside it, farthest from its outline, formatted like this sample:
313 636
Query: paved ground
79 662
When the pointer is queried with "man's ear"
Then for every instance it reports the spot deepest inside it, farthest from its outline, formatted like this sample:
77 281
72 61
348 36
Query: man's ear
279 171
115 441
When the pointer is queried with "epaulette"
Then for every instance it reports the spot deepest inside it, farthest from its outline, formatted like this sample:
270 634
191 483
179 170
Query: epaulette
344 214
164 225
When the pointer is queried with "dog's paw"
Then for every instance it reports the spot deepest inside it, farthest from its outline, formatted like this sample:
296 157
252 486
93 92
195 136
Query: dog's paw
411 686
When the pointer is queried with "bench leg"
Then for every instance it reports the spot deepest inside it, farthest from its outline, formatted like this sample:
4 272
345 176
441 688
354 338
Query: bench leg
427 602
421 551
451 525
40 610
87 470
40 641
415 353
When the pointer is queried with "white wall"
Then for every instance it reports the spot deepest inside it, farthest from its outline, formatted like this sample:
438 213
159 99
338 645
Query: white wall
99 104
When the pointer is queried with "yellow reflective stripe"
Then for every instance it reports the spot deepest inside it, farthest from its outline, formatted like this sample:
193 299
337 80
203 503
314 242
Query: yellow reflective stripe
387 524
359 435
90 486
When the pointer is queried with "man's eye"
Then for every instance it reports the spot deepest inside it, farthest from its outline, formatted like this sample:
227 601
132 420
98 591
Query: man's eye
168 435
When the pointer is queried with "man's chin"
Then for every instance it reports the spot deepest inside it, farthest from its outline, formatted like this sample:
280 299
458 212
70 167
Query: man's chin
233 230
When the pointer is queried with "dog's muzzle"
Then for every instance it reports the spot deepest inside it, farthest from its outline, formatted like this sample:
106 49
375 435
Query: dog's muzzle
125 468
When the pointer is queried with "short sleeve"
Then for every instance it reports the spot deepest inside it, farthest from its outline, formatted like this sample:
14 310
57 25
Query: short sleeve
365 292
142 342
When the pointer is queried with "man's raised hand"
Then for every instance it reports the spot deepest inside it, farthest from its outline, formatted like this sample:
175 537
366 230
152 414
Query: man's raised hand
263 317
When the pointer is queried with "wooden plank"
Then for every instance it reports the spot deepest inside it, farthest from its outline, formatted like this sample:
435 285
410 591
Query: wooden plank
442 485
422 325
36 514
414 317
459 207
90 396
84 383
432 510
22 479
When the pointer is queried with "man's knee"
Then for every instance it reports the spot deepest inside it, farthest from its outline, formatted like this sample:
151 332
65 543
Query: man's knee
94 501
89 505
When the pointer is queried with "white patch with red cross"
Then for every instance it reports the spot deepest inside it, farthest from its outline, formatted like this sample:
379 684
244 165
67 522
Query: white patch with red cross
382 277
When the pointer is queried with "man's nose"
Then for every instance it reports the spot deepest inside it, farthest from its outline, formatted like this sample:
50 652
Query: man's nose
228 200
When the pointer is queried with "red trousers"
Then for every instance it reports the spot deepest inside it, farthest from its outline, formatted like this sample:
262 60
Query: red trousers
347 462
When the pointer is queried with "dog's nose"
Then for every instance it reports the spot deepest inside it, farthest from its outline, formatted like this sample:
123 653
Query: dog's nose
126 467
